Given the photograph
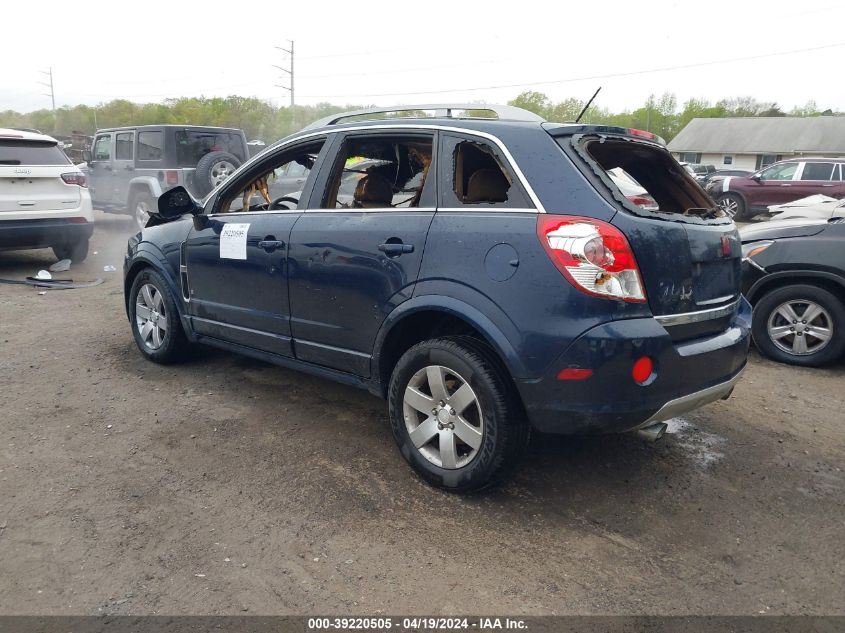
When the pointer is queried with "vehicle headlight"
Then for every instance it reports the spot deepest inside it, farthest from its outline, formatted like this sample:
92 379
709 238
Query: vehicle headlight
755 248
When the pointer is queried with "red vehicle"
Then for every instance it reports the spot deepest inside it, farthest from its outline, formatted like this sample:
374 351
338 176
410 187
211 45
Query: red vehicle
788 180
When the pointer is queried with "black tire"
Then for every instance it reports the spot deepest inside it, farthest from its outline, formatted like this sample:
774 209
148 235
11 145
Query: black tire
143 203
173 343
205 175
505 431
74 251
733 204
768 308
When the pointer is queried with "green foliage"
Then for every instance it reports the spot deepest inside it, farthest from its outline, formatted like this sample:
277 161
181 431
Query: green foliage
659 114
261 120
257 118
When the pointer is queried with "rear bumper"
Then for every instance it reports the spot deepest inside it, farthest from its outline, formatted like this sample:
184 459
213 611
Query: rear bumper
18 234
688 374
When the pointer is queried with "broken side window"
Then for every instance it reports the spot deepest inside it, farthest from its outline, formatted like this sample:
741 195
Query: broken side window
477 175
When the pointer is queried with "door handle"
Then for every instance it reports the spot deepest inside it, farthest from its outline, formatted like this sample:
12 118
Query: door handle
107 168
270 245
129 168
395 249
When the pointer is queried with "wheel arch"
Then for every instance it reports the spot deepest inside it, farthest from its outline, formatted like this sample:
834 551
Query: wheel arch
427 317
146 259
831 282
146 184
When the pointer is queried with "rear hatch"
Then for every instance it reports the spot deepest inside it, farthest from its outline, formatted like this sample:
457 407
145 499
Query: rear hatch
31 177
688 251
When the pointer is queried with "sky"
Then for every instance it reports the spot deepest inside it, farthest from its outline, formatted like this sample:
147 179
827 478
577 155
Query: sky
385 53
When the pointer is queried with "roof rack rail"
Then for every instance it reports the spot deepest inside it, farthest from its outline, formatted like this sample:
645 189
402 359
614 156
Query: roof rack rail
441 110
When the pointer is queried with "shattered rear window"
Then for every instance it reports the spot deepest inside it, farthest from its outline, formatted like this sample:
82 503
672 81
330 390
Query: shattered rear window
645 179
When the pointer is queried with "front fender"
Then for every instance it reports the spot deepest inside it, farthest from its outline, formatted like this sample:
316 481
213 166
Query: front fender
795 276
455 307
147 255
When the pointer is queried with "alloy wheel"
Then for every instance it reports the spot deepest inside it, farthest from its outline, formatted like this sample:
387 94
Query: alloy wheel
800 327
443 417
729 206
221 171
150 316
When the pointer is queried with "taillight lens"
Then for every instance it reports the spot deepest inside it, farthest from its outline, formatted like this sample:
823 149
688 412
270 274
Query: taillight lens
172 177
644 201
593 255
75 178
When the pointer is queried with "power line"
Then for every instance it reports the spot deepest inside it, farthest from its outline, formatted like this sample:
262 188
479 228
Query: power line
587 78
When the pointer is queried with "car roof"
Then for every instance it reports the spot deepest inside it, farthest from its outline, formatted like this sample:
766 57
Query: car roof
811 159
167 125
8 133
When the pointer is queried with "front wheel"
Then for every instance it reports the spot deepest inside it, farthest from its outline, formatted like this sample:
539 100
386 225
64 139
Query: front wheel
155 321
733 205
454 414
800 325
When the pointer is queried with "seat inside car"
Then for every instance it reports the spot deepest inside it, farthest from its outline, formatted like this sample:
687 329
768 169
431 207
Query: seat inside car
373 191
487 185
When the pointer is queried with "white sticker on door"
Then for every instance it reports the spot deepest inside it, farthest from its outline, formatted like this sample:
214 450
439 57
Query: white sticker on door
233 241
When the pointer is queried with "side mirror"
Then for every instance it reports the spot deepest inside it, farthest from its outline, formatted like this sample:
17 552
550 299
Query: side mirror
176 202
756 178
86 155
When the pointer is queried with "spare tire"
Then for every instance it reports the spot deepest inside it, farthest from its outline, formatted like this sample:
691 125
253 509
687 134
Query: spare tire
213 169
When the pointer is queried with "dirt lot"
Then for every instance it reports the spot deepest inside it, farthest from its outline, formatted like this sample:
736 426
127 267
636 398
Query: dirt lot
225 485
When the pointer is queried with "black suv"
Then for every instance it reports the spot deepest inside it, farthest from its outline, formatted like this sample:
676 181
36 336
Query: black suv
485 276
130 167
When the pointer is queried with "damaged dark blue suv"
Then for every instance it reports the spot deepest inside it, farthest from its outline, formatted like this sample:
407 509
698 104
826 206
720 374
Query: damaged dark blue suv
484 275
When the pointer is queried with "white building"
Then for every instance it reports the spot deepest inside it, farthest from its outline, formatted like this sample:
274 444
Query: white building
753 142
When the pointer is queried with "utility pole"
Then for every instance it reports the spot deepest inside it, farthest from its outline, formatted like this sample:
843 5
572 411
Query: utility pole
289 71
52 95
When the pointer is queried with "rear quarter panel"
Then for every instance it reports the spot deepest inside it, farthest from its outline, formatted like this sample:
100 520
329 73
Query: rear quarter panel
494 263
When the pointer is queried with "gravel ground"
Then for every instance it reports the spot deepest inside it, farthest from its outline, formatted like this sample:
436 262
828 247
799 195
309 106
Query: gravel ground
228 486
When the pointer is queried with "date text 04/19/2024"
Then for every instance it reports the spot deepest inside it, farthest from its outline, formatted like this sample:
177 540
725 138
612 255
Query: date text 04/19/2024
419 623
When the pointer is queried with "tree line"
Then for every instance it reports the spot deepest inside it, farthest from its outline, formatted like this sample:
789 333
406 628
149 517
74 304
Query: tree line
261 120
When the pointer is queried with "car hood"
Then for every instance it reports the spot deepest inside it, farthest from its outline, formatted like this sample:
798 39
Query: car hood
779 229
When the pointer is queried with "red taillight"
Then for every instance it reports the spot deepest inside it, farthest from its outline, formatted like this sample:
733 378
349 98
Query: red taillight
642 134
77 220
75 178
574 373
172 177
593 255
645 201
642 370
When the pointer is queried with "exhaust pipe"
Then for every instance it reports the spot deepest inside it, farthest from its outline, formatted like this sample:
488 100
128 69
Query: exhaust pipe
654 432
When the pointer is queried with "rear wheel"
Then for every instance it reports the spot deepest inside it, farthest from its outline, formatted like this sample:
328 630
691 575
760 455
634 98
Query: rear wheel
800 325
454 415
155 321
733 205
75 251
